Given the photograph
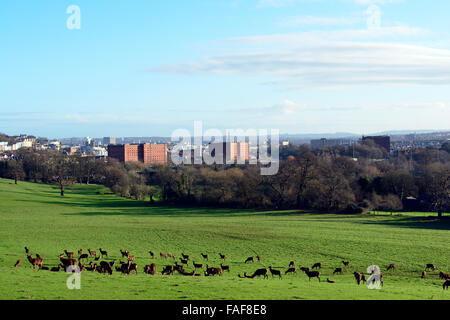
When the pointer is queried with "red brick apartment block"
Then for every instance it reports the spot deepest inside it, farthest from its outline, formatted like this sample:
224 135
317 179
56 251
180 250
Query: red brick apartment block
146 153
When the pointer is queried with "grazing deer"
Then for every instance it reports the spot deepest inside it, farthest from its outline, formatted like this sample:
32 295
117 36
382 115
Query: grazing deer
258 273
69 254
27 251
430 266
198 266
205 256
358 277
222 256
330 281
186 262
446 285
168 270
83 256
424 274
227 268
275 272
313 274
250 259
56 269
338 270
35 261
317 265
151 254
185 256
391 266
92 253
163 255
291 270
211 271
291 264
346 263
152 269
44 268
444 276
67 261
18 263
105 267
103 253
304 269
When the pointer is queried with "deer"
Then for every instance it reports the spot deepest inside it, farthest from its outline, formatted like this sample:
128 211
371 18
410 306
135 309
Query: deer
275 272
330 281
259 258
168 270
205 256
67 261
303 268
152 255
83 256
430 266
103 252
446 285
249 259
44 268
170 255
317 265
358 277
222 256
198 266
338 270
227 268
163 255
424 274
313 274
80 252
18 263
93 267
258 273
291 264
391 267
185 256
291 270
35 261
69 254
444 276
56 269
213 271
151 269
346 263
125 253
27 251
92 253
186 262
105 267
130 257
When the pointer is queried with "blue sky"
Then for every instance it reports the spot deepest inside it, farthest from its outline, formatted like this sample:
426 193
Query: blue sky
142 68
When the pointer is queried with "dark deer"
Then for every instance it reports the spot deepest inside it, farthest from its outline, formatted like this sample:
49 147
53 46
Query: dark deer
105 267
185 256
151 254
151 269
259 258
275 272
338 270
92 253
291 264
430 266
346 263
313 274
258 273
27 251
205 256
56 269
227 268
444 276
391 267
250 259
198 266
44 268
291 270
168 270
103 253
186 262
163 255
83 256
446 285
317 265
330 281
69 254
358 277
222 256
210 271
304 269
80 252
424 274
124 254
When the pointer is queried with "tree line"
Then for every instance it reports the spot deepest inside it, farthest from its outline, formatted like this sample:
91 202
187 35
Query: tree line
327 179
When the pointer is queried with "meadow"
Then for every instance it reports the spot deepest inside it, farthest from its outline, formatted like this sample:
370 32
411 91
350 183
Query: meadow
34 215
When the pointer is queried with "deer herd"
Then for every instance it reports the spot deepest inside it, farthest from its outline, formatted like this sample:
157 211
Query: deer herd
90 261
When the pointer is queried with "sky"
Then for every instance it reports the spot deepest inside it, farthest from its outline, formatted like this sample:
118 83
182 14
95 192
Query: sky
146 68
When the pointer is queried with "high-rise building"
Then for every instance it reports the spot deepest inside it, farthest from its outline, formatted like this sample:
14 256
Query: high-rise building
109 140
146 153
231 151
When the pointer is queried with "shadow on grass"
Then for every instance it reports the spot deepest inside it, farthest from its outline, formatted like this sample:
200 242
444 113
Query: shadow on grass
432 223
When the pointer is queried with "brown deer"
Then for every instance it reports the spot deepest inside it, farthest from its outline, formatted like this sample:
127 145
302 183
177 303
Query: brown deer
92 253
163 255
103 252
258 273
275 272
317 265
69 254
130 257
18 263
430 266
313 274
338 270
44 268
198 266
424 274
80 252
249 259
446 285
227 268
152 269
259 258
391 267
444 276
35 261
133 267
168 270
222 256
346 263
205 256
330 281
291 270
170 255
105 267
211 271
67 261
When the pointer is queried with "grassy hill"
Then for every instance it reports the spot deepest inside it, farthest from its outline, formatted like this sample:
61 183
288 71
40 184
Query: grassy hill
35 216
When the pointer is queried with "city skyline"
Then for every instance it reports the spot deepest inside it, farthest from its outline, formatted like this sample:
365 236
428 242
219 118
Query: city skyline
146 69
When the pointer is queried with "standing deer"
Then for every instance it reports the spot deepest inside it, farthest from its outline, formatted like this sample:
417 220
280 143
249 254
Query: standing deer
391 266
338 270
225 267
222 256
152 255
250 259
346 263
317 265
205 256
18 263
103 253
92 253
446 285
275 272
313 274
291 270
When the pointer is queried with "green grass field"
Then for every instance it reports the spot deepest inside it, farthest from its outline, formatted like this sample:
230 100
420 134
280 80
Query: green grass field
35 216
